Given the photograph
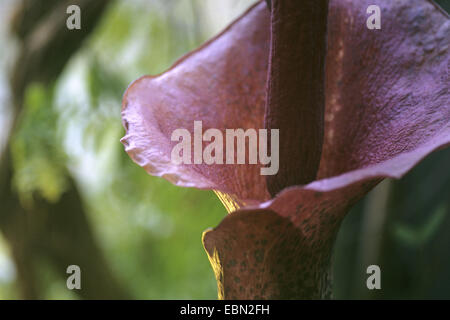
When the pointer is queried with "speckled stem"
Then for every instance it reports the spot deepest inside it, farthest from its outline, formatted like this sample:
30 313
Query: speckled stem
264 256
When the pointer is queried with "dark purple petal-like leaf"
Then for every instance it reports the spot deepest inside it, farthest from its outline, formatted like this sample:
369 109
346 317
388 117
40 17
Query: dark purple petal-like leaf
387 99
222 84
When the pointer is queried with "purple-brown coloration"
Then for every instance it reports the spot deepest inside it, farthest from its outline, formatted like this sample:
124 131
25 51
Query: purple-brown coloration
295 100
386 108
223 84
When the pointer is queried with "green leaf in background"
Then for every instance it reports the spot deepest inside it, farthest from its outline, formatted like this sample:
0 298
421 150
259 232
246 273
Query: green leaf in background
39 161
417 237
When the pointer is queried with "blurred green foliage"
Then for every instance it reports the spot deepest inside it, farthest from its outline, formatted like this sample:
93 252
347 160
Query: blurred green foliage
39 161
414 241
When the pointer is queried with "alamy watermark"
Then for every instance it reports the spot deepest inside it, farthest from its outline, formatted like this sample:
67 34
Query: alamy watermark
74 19
374 280
74 280
235 140
374 20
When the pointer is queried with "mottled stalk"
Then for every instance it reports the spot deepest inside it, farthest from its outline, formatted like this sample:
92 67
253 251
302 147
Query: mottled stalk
261 255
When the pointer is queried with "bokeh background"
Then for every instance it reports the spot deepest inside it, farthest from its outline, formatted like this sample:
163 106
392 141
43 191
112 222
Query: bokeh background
69 194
